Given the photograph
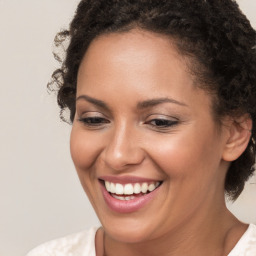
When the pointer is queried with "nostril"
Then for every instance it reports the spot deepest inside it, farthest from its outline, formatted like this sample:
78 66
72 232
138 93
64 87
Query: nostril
123 149
119 161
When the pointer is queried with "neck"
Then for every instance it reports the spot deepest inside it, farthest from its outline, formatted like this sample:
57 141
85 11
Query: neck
212 232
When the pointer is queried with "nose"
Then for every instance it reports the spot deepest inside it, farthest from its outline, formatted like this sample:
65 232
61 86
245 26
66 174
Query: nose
123 148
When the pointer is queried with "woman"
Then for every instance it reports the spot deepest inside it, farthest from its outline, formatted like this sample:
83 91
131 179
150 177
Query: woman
161 98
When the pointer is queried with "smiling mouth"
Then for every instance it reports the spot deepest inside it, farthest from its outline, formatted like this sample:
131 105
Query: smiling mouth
130 191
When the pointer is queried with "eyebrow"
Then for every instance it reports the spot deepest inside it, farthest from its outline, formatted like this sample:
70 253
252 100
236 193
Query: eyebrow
141 105
94 101
157 101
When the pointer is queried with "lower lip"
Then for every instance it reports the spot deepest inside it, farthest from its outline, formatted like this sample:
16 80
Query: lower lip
123 206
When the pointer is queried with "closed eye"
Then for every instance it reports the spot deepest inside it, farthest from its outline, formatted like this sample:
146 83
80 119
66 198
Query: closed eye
162 123
94 121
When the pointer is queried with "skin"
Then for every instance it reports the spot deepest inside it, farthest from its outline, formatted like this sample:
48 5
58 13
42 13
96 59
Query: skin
191 156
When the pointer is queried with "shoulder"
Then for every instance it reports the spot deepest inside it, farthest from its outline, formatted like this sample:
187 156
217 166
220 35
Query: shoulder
246 246
82 243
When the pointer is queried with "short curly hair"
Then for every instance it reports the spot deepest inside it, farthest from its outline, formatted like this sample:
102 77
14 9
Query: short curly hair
215 35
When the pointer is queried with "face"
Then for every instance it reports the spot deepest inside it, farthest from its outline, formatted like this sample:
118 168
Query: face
144 141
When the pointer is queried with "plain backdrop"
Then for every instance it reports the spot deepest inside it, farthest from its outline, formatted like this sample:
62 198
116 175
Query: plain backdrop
40 195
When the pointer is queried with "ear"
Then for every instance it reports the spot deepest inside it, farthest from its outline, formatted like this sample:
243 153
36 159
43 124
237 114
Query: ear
238 137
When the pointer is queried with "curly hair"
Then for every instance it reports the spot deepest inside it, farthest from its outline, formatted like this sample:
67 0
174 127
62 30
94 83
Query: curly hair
214 35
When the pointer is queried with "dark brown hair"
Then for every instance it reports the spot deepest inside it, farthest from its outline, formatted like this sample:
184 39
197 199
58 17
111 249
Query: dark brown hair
213 34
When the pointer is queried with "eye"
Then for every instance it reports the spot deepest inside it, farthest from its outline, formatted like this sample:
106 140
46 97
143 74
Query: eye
162 122
93 121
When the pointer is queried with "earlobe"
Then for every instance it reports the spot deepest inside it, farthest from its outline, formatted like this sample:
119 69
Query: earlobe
239 134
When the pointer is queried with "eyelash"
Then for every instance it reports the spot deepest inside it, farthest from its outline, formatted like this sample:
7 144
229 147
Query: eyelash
159 123
162 123
93 121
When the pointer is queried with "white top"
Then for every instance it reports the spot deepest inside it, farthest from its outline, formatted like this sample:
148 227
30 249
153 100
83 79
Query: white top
83 244
246 246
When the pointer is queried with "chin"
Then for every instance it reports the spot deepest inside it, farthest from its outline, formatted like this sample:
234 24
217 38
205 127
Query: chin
129 232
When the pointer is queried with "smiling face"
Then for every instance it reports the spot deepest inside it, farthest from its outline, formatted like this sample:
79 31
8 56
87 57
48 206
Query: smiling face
144 141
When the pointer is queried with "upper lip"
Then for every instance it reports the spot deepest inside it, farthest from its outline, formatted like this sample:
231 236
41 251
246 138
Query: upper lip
126 179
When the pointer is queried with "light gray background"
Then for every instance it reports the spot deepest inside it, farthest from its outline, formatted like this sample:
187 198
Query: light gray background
40 195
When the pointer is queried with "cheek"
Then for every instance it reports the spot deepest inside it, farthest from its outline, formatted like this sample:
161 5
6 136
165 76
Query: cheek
84 152
84 148
189 155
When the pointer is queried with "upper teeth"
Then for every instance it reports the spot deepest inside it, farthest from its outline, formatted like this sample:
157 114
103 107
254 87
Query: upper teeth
129 189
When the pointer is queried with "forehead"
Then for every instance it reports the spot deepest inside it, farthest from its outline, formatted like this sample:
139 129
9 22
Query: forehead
138 64
137 50
133 39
